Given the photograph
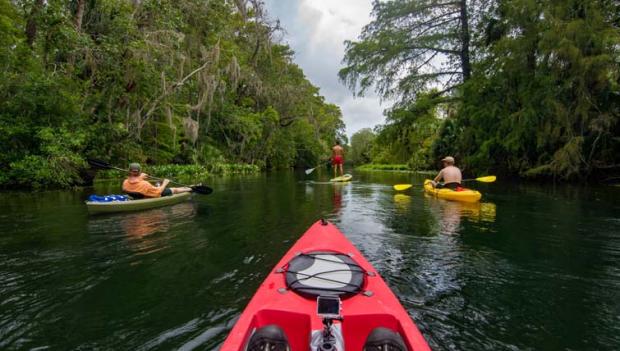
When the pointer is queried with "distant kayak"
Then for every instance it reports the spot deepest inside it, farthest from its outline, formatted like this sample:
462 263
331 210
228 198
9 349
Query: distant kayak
465 195
324 291
135 205
343 178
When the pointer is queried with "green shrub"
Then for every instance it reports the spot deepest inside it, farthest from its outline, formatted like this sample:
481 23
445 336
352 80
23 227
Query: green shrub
188 171
383 167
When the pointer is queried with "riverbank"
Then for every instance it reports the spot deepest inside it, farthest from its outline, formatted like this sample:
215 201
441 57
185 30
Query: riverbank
86 176
391 167
187 171
382 167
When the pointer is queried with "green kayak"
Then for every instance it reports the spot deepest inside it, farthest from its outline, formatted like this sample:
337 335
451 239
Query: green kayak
343 178
135 205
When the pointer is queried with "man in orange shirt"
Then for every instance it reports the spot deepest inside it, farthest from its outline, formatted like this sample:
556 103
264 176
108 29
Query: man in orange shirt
137 186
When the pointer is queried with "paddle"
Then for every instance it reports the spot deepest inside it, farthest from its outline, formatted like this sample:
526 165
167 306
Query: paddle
199 189
308 171
485 179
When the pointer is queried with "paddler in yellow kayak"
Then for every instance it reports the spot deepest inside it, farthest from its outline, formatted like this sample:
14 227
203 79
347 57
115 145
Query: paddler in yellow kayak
450 174
138 187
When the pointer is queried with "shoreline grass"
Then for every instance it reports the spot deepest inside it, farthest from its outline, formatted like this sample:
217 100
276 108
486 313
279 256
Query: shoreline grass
382 167
186 171
377 167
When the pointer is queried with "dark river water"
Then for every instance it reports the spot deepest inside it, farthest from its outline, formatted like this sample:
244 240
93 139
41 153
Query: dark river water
530 268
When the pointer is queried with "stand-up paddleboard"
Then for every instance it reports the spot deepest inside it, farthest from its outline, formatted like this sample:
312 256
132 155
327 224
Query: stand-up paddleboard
343 178
324 295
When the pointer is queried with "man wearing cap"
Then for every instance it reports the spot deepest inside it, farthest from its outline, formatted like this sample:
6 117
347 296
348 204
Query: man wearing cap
137 186
450 174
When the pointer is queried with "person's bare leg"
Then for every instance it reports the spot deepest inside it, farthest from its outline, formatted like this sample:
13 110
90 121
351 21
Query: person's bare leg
181 190
341 170
335 170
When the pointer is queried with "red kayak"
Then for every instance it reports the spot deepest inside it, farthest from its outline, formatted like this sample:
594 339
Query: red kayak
324 295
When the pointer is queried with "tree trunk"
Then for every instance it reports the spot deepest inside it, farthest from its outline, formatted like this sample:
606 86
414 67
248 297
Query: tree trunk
79 15
465 61
31 25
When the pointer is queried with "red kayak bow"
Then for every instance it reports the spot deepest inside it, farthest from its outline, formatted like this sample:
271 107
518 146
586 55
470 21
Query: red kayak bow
324 283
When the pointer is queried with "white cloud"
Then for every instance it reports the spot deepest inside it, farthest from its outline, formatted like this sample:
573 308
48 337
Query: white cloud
316 30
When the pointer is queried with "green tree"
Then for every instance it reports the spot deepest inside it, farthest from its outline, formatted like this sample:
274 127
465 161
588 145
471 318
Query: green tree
548 102
361 145
409 133
410 47
156 81
540 97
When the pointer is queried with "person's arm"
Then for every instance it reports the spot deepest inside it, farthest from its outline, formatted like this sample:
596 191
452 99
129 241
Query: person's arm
163 185
439 176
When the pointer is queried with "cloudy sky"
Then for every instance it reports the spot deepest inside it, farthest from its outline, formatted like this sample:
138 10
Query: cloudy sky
316 30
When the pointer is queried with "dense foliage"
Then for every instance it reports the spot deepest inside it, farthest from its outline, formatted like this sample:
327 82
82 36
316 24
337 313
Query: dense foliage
542 98
154 81
382 167
361 146
190 172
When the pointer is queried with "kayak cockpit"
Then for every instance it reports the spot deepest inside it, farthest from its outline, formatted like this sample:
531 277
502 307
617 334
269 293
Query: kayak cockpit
354 329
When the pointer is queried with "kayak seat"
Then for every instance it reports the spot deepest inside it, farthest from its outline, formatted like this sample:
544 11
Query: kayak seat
324 273
384 339
295 327
358 329
268 338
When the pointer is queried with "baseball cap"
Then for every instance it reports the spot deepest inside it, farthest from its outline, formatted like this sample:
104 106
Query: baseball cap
134 167
448 159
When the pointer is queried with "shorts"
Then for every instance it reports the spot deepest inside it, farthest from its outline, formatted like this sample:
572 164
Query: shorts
337 160
453 186
166 192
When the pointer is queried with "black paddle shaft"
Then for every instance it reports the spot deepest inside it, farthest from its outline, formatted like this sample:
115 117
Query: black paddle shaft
200 189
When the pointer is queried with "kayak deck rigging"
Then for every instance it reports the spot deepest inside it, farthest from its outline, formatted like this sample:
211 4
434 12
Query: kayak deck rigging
328 279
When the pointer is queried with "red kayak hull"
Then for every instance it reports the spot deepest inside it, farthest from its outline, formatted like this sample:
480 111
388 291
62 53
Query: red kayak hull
297 315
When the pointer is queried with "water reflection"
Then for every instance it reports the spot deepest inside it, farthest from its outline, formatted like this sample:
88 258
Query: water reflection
402 203
142 223
448 214
145 224
337 197
139 227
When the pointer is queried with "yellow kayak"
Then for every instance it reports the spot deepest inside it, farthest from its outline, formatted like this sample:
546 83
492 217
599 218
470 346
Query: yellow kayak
343 178
467 195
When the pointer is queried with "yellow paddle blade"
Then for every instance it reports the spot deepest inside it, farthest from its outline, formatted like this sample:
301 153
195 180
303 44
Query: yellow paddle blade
401 187
487 179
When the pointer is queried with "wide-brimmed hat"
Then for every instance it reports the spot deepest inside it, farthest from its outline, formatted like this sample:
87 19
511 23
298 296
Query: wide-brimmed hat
134 167
448 159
